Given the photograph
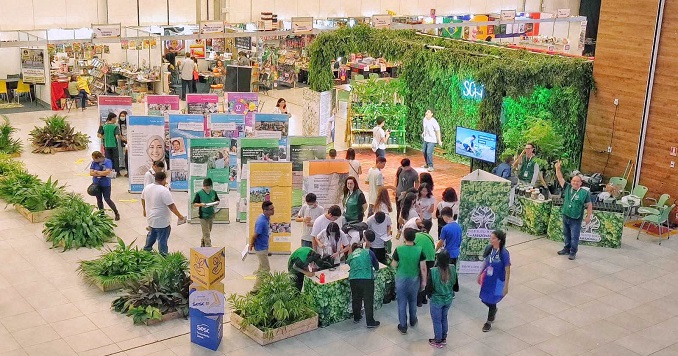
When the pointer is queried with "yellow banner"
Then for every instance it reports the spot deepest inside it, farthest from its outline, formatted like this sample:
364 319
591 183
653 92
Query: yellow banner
272 181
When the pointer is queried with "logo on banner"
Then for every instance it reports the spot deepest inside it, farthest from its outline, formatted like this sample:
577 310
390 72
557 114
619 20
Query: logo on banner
472 90
516 211
483 217
590 232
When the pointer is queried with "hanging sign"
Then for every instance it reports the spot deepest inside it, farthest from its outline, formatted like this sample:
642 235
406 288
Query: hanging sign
381 21
562 13
212 27
508 15
106 31
302 24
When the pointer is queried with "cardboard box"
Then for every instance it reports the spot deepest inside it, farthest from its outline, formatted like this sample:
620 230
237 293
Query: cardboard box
218 286
207 265
207 331
208 302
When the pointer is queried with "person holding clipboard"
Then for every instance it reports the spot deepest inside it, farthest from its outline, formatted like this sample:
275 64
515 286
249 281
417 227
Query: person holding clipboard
205 200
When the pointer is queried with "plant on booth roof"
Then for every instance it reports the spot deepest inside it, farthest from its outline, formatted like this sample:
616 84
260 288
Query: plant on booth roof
57 134
8 144
78 224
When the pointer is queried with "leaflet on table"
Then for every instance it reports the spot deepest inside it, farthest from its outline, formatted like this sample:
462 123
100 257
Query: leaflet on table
182 128
303 149
202 103
244 103
145 145
208 157
229 126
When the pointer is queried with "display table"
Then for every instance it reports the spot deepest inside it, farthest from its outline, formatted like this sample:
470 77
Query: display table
332 299
531 215
605 229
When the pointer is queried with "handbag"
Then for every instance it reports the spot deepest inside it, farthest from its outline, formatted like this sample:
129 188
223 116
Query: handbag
93 189
196 75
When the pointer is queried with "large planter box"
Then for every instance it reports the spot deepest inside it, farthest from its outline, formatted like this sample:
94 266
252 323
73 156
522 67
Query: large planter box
110 287
278 334
34 217
165 317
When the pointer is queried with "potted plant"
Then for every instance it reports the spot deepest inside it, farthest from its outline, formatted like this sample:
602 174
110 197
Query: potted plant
78 224
160 296
57 135
278 311
119 266
9 145
14 182
37 201
9 166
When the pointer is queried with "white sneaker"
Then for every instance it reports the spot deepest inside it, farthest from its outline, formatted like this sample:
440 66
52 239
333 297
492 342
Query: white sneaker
430 169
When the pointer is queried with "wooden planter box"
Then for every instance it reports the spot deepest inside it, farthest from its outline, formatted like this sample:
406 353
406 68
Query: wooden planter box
165 317
34 217
110 287
278 334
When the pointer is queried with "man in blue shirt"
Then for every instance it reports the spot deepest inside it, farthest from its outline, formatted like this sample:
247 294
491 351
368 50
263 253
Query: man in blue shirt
450 237
259 241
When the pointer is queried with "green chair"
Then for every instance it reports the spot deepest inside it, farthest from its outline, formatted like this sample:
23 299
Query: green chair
619 183
656 207
658 220
359 77
632 200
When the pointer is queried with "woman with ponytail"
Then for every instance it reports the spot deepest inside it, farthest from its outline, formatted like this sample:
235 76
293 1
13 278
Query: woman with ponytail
440 291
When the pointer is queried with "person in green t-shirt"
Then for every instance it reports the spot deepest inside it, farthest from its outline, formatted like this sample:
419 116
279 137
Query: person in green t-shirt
110 134
410 264
297 265
440 289
424 240
575 200
204 200
363 263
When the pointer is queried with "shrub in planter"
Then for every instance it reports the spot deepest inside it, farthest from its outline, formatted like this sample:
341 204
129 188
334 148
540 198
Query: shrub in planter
57 135
10 166
277 304
165 289
78 224
9 145
41 196
119 266
14 183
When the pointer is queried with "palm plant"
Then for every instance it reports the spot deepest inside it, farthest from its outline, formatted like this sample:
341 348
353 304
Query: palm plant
8 144
78 224
57 134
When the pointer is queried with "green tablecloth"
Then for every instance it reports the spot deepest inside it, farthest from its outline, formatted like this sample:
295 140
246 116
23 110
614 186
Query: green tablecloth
333 299
530 215
605 229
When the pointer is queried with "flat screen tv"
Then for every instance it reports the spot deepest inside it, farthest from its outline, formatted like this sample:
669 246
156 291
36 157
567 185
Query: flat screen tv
476 144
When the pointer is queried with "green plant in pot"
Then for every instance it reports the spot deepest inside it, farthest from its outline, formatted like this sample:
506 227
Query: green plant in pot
118 266
10 166
78 224
278 303
8 144
57 134
165 289
12 184
42 196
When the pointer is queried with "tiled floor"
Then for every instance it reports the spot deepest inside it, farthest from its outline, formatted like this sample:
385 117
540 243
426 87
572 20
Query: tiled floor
607 302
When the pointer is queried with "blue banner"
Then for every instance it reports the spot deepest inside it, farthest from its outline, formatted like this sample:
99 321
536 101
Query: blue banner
181 129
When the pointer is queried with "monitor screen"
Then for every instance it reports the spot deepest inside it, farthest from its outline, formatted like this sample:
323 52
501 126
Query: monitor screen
476 144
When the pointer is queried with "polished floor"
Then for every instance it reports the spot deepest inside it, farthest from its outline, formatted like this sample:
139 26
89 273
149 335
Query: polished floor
607 302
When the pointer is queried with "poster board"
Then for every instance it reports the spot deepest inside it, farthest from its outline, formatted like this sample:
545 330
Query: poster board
113 104
33 65
271 181
245 104
326 179
145 144
159 105
229 127
202 103
303 149
182 128
255 149
483 208
208 158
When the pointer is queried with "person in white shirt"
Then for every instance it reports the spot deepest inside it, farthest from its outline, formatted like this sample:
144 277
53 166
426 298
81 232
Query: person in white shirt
354 168
307 215
380 223
426 203
157 203
149 176
186 67
380 137
333 242
431 136
321 222
375 179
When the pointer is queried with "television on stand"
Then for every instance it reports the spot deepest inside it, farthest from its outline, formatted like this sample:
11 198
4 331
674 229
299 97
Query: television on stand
476 144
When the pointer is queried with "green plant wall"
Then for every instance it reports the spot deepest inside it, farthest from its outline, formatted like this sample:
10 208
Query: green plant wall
433 80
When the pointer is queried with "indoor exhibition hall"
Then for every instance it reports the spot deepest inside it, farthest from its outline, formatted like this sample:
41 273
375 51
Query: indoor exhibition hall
351 177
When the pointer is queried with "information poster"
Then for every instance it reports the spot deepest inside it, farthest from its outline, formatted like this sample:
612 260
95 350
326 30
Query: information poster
231 127
272 181
272 126
208 158
483 208
303 149
33 65
182 128
145 145
202 103
326 180
160 105
246 104
255 149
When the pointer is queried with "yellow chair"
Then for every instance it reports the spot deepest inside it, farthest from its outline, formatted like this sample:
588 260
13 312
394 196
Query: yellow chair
3 89
22 88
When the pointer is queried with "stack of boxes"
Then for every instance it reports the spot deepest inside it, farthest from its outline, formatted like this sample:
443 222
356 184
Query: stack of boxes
206 296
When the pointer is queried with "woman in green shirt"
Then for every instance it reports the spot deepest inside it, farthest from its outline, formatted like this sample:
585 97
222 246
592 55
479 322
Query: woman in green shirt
440 289
354 201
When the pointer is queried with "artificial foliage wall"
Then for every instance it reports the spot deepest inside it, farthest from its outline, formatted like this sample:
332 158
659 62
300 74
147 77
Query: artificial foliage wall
489 88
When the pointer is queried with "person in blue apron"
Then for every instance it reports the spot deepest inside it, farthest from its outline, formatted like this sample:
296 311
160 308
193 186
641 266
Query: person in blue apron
494 275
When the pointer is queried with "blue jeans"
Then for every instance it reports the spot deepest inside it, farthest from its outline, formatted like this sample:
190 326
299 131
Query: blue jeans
305 243
83 98
407 289
439 318
161 235
105 194
428 153
186 87
571 230
380 153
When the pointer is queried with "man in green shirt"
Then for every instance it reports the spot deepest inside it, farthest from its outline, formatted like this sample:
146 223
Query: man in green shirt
205 200
424 240
575 199
410 264
528 171
363 263
298 263
110 134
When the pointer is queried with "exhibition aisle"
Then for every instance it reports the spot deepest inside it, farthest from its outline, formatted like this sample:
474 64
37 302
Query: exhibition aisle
608 301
